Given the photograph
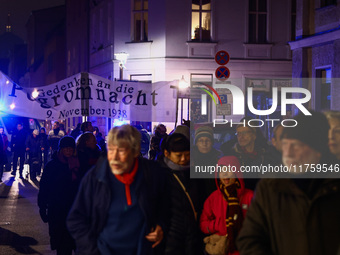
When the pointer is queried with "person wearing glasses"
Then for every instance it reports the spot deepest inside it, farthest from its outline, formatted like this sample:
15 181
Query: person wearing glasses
252 150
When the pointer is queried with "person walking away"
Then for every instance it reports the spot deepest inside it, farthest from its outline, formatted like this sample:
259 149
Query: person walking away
88 152
18 148
58 188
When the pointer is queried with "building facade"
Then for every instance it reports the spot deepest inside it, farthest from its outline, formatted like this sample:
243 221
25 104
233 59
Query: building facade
316 52
166 40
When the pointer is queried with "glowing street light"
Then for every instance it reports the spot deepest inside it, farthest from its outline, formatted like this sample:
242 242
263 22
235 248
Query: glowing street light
35 93
12 106
183 84
122 57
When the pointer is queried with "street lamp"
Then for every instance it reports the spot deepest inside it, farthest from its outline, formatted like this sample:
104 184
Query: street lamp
181 93
35 93
183 84
122 57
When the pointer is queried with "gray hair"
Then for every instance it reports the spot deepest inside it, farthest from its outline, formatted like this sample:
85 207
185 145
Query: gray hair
125 135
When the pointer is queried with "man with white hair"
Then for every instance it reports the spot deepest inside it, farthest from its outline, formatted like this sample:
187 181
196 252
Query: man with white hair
121 206
299 215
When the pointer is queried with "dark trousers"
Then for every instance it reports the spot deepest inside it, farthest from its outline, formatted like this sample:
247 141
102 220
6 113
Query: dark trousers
17 155
44 157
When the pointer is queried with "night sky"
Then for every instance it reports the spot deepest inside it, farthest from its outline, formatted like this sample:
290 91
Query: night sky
20 11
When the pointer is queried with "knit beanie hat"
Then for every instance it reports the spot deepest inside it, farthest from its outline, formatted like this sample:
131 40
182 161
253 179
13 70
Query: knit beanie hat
311 130
67 141
36 132
204 131
183 130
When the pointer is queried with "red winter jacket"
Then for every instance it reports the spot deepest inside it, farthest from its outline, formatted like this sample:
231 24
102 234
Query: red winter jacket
212 220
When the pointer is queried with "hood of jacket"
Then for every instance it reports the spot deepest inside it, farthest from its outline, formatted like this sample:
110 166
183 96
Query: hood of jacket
234 163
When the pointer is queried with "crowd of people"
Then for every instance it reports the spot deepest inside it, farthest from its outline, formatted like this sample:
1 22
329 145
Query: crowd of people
114 198
36 147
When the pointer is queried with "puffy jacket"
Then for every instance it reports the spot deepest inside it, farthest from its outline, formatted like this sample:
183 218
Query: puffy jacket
214 213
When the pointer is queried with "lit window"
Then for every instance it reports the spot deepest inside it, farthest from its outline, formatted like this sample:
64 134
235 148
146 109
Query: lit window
140 20
201 20
257 21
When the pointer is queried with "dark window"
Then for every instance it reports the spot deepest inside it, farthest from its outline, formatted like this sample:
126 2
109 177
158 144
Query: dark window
293 21
324 3
140 20
257 27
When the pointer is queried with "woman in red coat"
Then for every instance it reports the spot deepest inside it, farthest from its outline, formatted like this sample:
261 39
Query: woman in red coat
226 206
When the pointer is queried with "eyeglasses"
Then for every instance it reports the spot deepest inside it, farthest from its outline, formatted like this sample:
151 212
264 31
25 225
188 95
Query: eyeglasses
242 133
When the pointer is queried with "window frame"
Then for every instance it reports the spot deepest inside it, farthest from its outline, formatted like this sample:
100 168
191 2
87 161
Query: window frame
143 36
323 78
257 13
200 12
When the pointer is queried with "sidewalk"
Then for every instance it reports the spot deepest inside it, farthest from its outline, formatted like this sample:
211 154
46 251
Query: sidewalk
21 229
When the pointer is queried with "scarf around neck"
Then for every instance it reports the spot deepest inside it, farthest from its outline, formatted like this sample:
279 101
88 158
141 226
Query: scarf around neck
174 166
234 217
127 179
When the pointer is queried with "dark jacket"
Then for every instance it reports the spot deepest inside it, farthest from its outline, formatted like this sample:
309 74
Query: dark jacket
87 158
56 194
76 132
284 220
206 160
53 138
18 141
261 157
44 141
34 145
3 147
184 237
88 215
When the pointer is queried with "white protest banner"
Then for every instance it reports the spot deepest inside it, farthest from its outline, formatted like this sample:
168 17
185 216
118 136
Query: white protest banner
91 95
